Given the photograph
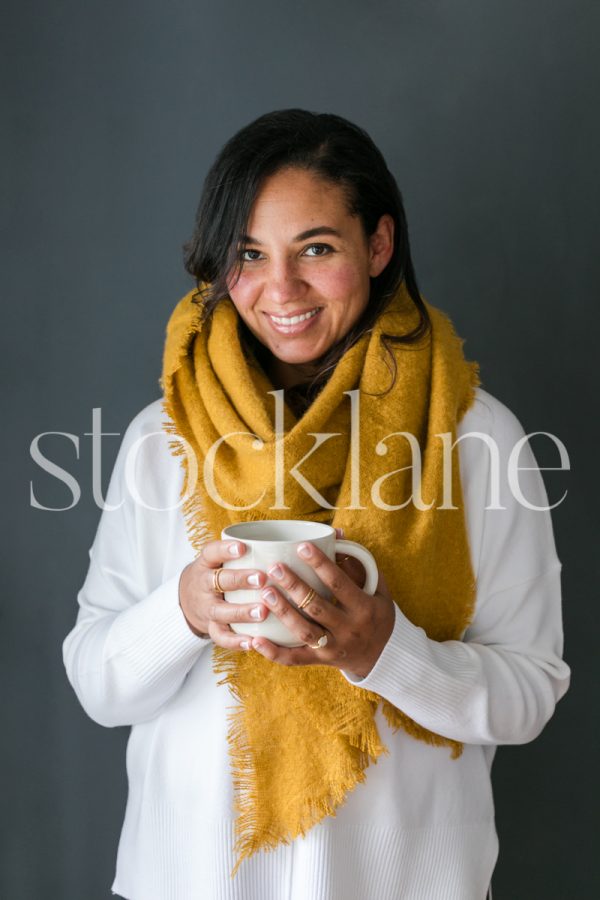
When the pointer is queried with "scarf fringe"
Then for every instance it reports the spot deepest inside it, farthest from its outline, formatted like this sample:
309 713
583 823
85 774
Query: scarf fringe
253 828
397 719
473 383
197 529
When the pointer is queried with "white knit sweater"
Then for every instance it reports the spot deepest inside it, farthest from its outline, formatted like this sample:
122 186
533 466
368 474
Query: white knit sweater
422 825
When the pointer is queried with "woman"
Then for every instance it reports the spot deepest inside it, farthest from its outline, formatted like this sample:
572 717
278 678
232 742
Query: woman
356 765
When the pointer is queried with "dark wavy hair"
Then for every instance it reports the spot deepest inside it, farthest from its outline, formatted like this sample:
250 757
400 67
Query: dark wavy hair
333 149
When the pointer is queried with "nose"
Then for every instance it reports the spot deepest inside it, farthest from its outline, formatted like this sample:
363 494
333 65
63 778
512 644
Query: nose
283 283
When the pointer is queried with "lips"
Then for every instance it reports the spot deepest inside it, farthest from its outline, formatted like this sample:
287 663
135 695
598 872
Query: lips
294 318
295 323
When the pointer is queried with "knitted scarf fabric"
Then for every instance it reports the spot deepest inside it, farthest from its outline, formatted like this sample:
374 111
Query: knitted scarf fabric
300 738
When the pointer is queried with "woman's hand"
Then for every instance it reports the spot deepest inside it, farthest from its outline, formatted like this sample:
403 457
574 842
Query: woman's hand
205 610
357 626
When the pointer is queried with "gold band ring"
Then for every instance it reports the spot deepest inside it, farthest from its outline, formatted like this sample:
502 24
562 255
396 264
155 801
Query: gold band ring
216 583
309 597
322 642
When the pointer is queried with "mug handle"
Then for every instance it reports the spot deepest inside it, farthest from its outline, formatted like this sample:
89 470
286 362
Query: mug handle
351 548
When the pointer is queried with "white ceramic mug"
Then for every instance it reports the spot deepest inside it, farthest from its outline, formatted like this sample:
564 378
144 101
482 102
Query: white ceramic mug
277 540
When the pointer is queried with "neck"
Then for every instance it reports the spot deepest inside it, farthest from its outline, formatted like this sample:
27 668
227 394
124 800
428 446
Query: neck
286 375
282 374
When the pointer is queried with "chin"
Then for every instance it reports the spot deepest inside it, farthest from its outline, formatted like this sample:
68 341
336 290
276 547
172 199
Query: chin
297 359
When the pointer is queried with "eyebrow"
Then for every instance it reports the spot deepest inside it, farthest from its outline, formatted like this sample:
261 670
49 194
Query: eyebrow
303 236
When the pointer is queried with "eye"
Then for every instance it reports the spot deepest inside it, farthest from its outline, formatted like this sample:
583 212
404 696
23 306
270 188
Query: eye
318 250
250 255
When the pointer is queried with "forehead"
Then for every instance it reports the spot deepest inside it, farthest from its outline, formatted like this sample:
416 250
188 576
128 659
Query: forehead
297 196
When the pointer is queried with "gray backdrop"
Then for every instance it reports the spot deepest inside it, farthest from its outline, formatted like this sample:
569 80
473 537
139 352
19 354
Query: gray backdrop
487 114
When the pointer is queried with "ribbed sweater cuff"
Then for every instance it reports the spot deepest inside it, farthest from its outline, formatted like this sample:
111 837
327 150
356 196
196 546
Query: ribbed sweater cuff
424 678
154 635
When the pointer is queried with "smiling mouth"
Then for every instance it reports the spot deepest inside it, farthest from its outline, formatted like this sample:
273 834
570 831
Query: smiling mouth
286 321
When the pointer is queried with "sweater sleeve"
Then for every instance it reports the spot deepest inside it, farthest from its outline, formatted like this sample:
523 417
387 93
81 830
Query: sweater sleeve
501 682
131 648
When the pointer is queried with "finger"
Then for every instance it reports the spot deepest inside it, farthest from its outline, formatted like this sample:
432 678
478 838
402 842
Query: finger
339 583
225 613
214 553
307 631
289 656
352 567
320 609
382 586
233 580
225 637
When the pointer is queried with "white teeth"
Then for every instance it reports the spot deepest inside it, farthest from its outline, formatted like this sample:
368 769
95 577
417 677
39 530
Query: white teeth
280 320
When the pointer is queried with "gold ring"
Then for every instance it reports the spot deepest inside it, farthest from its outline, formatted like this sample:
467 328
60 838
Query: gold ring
310 596
322 642
216 583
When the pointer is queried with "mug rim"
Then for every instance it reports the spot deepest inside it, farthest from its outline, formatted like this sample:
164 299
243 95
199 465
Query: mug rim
322 528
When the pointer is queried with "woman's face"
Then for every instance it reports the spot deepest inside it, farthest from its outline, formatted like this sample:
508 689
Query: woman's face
305 266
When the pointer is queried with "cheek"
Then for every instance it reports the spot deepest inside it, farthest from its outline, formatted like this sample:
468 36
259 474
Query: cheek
344 283
242 292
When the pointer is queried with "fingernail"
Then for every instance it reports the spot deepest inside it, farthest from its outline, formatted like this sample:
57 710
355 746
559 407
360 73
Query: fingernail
254 579
276 571
256 613
339 532
245 645
235 549
269 596
305 550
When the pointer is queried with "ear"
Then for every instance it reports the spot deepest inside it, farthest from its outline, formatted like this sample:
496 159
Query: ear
381 245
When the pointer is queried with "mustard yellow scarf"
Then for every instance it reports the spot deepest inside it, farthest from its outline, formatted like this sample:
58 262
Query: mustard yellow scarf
301 738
